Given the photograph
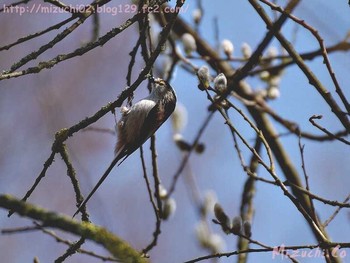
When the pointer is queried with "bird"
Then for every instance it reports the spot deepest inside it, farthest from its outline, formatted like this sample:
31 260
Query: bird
138 124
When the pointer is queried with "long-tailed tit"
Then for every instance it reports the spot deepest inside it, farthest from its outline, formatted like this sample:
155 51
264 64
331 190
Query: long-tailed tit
139 123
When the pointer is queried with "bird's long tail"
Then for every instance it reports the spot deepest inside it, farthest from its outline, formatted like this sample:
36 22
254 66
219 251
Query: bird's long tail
118 156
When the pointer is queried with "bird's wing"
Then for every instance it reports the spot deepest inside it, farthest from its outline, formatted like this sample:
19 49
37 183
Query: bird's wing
153 121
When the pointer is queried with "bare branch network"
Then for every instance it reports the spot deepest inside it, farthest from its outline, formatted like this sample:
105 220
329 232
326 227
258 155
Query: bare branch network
228 91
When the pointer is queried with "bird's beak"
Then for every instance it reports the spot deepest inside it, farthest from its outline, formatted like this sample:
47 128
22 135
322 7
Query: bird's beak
158 81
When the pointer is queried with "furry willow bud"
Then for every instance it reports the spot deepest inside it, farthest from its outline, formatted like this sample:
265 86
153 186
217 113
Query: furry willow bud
189 43
202 233
272 52
264 75
247 228
179 118
227 47
246 50
222 218
162 191
209 202
274 80
273 92
197 16
169 208
204 77
236 225
217 243
220 83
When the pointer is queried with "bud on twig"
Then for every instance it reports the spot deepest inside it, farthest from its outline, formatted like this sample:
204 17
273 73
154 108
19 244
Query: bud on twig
217 243
272 52
227 47
273 92
179 117
197 16
222 218
189 43
204 77
169 208
209 202
202 233
236 225
246 50
264 75
220 83
162 192
247 228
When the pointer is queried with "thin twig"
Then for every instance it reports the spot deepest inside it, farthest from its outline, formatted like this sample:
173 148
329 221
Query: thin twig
322 46
14 4
72 175
157 209
62 135
42 174
72 249
148 184
188 153
54 41
301 149
80 250
29 37
330 219
326 95
277 249
312 118
270 168
78 52
252 241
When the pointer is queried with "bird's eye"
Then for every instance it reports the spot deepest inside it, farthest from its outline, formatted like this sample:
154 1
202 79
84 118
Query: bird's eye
160 82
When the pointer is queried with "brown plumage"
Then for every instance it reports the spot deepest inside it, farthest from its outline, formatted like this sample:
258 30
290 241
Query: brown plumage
139 123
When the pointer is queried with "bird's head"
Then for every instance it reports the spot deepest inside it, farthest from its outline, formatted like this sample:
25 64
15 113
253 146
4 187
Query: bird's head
162 89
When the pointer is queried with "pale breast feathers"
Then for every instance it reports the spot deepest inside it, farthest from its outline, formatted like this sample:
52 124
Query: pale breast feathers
132 122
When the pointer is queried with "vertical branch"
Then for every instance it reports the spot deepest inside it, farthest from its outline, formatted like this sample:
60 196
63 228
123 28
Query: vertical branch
155 174
148 184
313 211
247 206
95 27
157 231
